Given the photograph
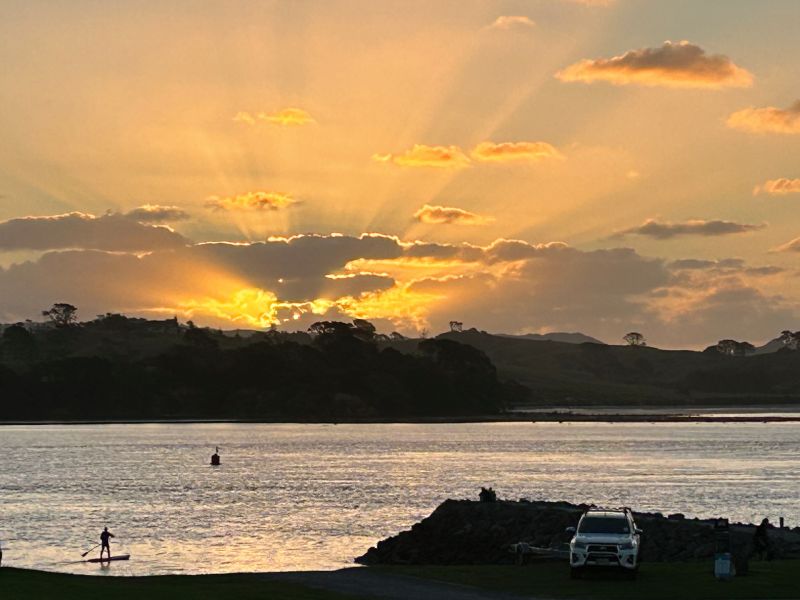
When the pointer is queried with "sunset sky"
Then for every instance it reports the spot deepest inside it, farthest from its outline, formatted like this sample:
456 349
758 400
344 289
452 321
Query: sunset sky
522 166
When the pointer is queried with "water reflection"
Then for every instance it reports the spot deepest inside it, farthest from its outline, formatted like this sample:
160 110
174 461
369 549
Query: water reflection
315 496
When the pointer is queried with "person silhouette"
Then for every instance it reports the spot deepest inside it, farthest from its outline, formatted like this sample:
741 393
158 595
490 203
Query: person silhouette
104 537
761 541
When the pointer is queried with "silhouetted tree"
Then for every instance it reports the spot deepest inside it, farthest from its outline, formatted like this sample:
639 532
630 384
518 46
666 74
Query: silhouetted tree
330 329
200 338
790 339
364 330
634 338
62 314
734 348
397 337
456 326
18 343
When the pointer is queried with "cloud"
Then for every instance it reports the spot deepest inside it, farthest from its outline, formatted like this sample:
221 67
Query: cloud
767 120
694 264
251 201
422 155
778 187
790 246
677 65
449 215
593 2
666 230
512 22
512 151
506 286
154 213
112 232
724 266
285 117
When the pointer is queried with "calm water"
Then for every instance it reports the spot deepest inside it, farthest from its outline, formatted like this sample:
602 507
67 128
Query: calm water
315 496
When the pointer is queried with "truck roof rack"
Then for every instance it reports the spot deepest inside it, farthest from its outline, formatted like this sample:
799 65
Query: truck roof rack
622 509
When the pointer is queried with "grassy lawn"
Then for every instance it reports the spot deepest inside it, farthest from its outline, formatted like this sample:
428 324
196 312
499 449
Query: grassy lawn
33 585
656 581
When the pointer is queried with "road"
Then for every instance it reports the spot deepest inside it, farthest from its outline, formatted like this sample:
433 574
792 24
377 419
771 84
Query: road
370 583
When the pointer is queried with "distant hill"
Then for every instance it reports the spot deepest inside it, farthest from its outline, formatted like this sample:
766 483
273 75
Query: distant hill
556 336
559 373
771 346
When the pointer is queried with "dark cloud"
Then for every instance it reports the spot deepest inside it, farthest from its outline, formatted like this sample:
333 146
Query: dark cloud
666 230
698 264
113 232
506 286
674 64
154 213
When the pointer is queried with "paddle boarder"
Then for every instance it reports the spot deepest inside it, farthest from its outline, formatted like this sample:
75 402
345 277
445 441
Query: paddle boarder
104 537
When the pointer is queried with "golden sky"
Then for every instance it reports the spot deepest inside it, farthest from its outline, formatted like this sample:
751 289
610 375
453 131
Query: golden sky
521 166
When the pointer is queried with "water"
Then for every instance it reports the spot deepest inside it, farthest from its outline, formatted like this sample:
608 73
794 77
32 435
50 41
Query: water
314 496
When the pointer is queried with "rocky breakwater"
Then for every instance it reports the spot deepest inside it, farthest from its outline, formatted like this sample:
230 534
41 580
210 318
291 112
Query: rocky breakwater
467 532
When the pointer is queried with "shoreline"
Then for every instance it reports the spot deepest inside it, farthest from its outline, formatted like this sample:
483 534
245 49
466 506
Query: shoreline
555 416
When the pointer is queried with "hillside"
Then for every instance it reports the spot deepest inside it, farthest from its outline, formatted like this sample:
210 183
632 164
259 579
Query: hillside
556 336
561 373
117 368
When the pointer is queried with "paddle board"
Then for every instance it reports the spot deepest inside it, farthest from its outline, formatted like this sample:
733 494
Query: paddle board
106 559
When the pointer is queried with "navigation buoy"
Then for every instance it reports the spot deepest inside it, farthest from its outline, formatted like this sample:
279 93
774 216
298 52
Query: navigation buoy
215 458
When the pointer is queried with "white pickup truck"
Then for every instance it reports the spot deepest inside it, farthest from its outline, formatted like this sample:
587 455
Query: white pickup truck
605 538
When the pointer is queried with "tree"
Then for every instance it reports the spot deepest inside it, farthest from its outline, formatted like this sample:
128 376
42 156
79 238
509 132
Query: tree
18 343
364 330
456 326
61 314
734 348
790 339
331 329
634 338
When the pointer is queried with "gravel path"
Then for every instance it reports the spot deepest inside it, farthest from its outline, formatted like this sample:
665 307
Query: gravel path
368 583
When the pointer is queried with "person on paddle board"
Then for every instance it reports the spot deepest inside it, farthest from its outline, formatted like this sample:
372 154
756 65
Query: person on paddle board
104 542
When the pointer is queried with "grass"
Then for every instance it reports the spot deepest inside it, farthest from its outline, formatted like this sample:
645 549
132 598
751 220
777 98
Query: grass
656 581
32 585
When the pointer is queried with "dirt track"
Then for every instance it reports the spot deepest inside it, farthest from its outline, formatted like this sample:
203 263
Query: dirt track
369 583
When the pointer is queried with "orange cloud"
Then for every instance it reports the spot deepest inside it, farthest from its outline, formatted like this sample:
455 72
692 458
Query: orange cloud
767 120
511 22
449 215
289 116
778 187
286 116
422 155
507 151
251 201
674 64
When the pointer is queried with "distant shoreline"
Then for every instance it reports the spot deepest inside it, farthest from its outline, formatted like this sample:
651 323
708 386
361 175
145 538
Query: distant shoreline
737 415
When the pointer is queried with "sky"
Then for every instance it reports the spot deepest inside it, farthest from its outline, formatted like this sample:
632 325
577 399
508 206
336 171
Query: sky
530 166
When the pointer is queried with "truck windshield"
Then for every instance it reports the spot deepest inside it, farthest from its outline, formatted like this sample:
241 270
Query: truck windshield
604 525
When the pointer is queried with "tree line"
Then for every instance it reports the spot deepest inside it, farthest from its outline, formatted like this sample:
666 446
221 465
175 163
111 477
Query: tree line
116 367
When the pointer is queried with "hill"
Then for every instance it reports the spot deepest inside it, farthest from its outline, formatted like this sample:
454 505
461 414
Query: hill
556 336
559 373
118 368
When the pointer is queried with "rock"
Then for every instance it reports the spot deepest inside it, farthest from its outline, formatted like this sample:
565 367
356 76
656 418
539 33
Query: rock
467 532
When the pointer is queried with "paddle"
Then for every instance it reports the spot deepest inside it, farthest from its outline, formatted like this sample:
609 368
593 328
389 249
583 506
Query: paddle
89 550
